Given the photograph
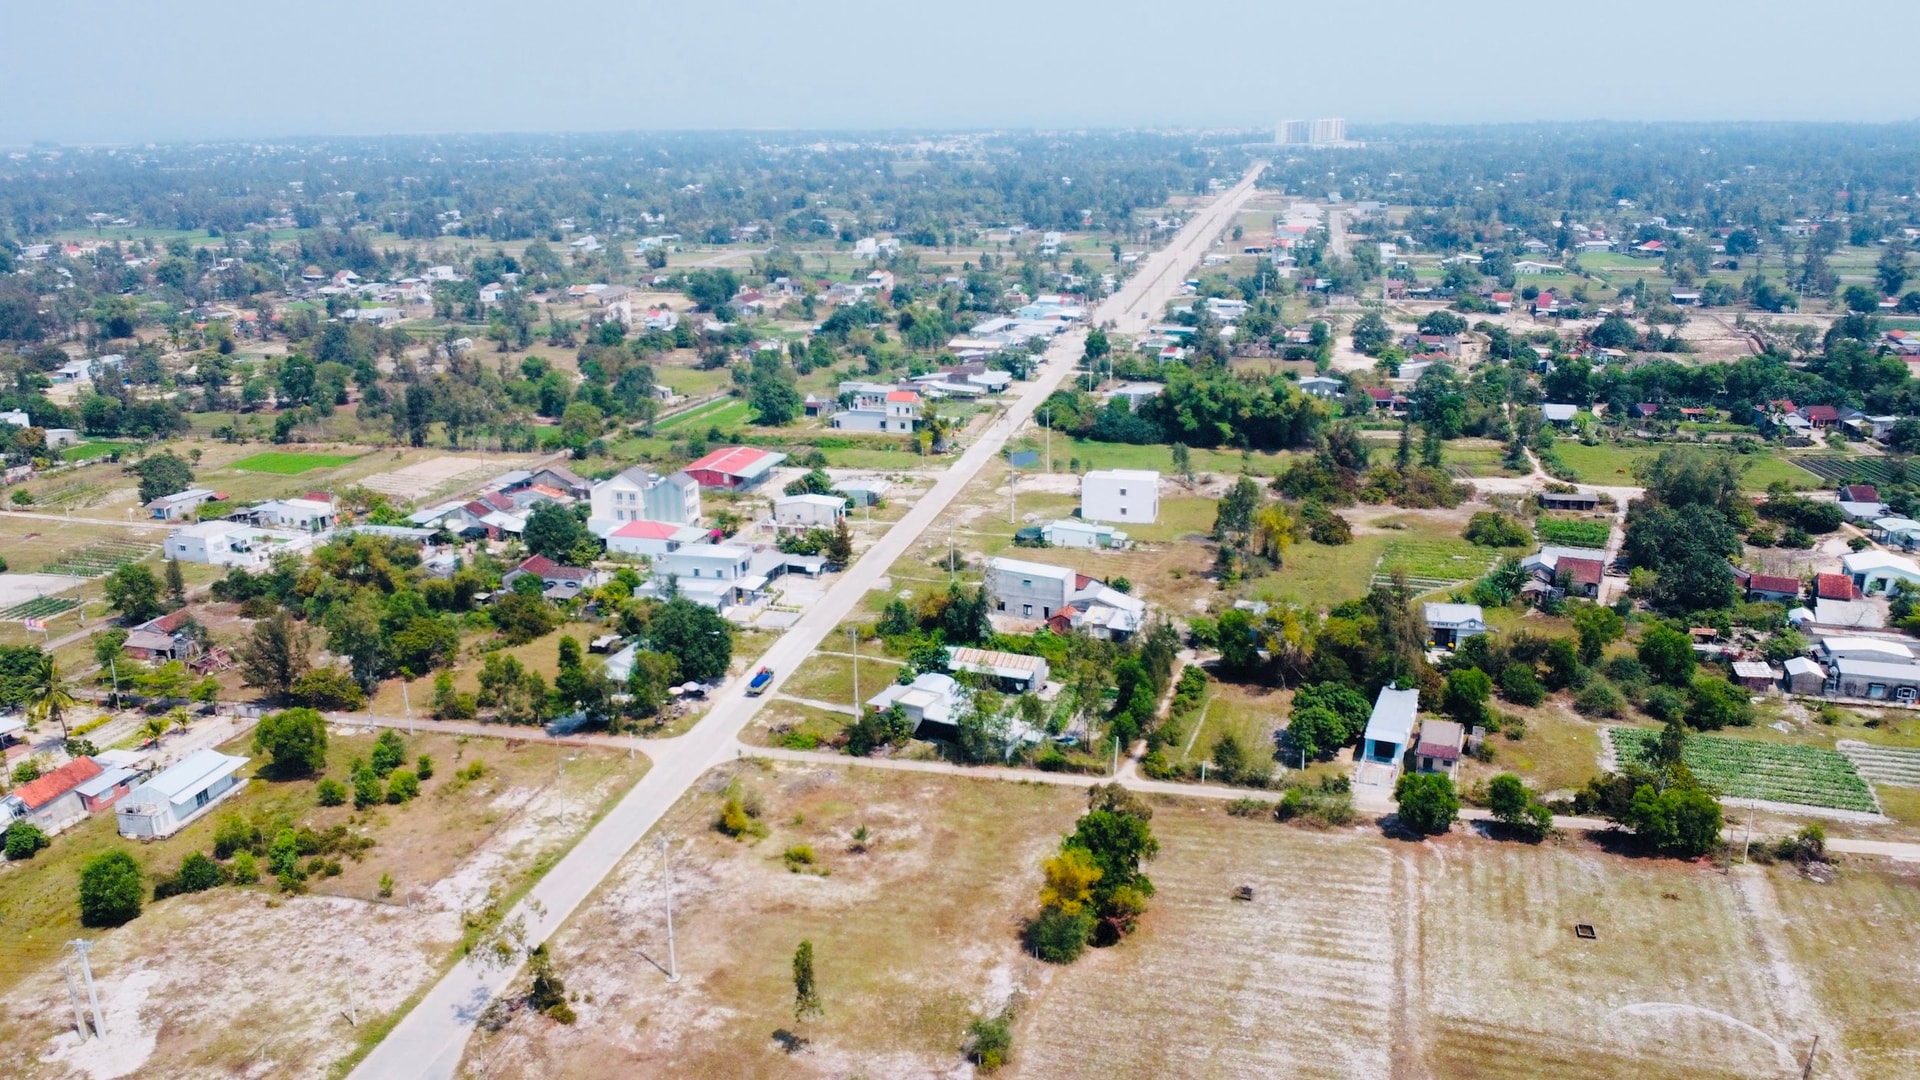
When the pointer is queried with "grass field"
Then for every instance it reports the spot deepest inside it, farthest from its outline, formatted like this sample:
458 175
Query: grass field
88 450
1613 464
1573 532
282 463
1250 713
1752 769
1433 563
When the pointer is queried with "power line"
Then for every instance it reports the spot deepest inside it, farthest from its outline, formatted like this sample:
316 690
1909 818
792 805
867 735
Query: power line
81 947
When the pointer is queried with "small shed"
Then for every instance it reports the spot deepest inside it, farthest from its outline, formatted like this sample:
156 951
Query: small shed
1804 676
1754 674
1450 624
1439 746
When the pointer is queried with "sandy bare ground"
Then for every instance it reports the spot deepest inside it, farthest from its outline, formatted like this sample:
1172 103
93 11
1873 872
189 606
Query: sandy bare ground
423 478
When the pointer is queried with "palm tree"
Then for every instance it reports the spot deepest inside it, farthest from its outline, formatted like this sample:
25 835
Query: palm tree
48 696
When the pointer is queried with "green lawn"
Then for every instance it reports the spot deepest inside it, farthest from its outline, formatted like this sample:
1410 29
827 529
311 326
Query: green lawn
1613 464
89 450
725 413
282 463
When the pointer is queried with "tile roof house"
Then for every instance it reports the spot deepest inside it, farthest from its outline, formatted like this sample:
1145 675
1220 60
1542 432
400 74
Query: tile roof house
1438 749
1580 577
1834 587
1820 415
1860 493
559 581
1777 587
734 467
53 801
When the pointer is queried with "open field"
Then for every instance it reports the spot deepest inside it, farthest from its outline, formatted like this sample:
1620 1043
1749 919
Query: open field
285 464
86 450
1358 955
1250 713
1613 464
236 981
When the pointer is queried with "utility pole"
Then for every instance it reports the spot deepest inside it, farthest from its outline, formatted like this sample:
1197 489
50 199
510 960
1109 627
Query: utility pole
666 870
853 636
73 996
86 975
1049 425
1808 1071
950 570
353 1013
1116 755
406 700
1013 474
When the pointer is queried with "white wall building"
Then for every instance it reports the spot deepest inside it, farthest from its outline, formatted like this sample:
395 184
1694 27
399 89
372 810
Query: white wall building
809 511
1123 495
217 543
177 795
639 495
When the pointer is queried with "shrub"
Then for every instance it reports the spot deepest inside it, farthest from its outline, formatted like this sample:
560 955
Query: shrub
198 874
798 857
110 890
423 768
246 870
1326 805
1249 808
330 792
1665 703
990 1041
295 739
329 688
385 888
367 789
1491 528
1058 937
232 834
1521 686
402 787
1599 698
25 839
1428 804
389 751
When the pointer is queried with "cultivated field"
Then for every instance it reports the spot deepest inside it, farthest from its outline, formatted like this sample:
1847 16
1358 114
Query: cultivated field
289 464
1357 956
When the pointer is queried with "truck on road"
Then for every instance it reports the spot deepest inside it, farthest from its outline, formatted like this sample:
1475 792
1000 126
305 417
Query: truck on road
760 681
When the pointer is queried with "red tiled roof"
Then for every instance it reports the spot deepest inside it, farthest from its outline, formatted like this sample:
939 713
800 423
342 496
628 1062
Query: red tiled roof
903 396
1833 587
543 568
730 460
1774 583
648 530
1823 412
1859 493
38 793
1081 581
1580 571
1379 393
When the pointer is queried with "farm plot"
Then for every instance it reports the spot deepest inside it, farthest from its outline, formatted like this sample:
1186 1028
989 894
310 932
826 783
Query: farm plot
1573 532
100 559
1841 469
40 607
1749 769
1430 565
1898 766
290 464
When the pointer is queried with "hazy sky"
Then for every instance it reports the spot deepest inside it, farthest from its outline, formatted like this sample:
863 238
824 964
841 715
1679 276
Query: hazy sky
96 70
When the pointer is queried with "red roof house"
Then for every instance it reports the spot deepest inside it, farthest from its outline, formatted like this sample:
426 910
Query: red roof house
1834 587
1865 493
1772 587
1820 415
54 800
1581 577
736 466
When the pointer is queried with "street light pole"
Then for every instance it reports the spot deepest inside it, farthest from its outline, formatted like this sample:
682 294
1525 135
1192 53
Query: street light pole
666 870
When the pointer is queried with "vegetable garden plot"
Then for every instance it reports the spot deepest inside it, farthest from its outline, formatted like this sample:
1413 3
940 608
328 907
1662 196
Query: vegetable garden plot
1573 532
1840 469
1750 769
1432 564
98 560
40 607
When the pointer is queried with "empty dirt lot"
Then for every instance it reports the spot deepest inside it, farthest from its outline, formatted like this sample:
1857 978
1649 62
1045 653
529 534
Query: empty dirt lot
1358 955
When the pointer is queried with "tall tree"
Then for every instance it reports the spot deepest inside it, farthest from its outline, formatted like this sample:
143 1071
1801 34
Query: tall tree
48 695
134 592
274 655
806 993
163 474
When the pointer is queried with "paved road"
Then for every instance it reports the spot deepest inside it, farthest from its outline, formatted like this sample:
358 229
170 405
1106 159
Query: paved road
429 1041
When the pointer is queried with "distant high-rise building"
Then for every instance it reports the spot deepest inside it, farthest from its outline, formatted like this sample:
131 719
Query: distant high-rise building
1323 132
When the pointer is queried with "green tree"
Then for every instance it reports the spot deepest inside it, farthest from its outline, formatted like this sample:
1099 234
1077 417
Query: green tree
695 636
771 391
295 740
553 530
1428 804
162 474
1465 695
110 889
176 582
46 694
1598 627
274 654
24 839
1515 807
806 991
198 874
389 752
1683 821
133 591
1056 936
1371 334
1891 271
1714 703
1667 654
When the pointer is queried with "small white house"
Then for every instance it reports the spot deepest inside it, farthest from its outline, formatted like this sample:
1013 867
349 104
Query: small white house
1450 624
653 539
300 515
178 794
1123 495
1878 571
217 543
1069 532
179 505
809 511
1390 727
927 701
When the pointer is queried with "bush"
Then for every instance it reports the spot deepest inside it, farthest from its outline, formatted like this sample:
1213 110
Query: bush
1058 937
389 751
1428 804
1665 703
198 874
402 787
327 688
246 870
798 857
295 739
1326 805
1249 808
990 1041
330 792
1521 686
110 890
232 834
367 789
423 768
1599 698
25 840
1491 528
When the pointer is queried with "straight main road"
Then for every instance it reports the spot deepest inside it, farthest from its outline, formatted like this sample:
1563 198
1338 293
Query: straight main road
428 1042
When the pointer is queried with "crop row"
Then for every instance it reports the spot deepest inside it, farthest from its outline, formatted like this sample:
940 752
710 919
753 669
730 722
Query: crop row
1568 532
1750 769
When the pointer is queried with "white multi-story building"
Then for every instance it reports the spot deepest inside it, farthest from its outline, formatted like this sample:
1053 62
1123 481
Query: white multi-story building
217 543
1128 495
639 495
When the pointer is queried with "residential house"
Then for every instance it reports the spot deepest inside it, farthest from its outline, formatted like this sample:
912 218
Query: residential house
180 505
1754 674
1900 532
1389 729
1062 598
1546 304
734 468
1803 676
1877 571
53 801
1449 624
653 539
1820 417
1585 501
308 515
716 575
1859 493
818 407
1544 564
1874 680
809 511
1773 587
640 495
1124 495
928 701
218 543
878 409
1534 268
1559 414
1849 614
1438 750
1580 577
557 582
1013 672
1322 386
864 492
1862 512
107 788
1135 394
176 796
1834 587
561 479
1073 533
1831 647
